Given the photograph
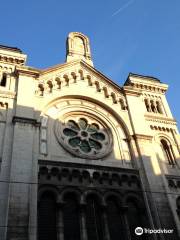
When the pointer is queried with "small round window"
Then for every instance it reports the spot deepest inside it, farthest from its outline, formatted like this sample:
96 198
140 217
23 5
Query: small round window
84 136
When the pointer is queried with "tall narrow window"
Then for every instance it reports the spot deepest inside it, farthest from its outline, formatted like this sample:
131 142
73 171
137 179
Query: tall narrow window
115 220
135 218
159 107
153 106
147 104
3 80
47 217
94 219
71 218
167 150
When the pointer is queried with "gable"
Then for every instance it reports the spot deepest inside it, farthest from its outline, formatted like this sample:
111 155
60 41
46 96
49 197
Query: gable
76 76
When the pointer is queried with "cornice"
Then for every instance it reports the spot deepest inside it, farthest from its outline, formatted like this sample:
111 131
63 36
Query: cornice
145 83
23 120
160 119
91 165
134 76
7 94
172 177
142 137
58 67
128 90
28 71
12 55
99 74
86 66
79 71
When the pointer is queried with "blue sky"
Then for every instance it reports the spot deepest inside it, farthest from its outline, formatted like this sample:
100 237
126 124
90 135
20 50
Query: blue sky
139 36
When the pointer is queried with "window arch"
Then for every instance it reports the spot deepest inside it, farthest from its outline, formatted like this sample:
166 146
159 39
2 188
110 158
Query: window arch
153 106
168 152
115 219
147 104
3 80
47 217
71 217
94 223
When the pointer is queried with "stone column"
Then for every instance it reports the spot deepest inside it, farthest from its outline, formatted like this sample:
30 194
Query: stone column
60 223
105 223
151 184
21 179
124 210
83 222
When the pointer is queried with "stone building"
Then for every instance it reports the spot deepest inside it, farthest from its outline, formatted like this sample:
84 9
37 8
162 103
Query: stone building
80 156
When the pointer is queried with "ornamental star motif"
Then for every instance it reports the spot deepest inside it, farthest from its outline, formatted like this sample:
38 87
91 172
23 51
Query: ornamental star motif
83 135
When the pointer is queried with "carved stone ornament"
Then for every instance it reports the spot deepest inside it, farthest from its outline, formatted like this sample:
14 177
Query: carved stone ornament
83 136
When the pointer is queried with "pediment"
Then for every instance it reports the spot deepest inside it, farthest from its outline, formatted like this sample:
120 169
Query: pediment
77 72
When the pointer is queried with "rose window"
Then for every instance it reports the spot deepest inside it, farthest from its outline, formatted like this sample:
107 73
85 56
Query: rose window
84 137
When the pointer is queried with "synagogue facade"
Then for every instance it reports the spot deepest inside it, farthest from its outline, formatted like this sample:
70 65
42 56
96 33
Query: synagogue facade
82 158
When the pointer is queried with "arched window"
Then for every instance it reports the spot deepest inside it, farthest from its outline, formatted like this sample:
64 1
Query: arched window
3 80
115 220
47 217
79 45
147 104
153 106
168 152
159 107
135 218
94 218
71 218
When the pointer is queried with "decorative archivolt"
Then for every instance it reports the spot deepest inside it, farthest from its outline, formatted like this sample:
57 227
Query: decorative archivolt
66 80
86 129
168 148
164 136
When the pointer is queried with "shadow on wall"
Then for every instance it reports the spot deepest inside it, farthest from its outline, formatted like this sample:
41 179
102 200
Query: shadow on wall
107 201
113 195
21 178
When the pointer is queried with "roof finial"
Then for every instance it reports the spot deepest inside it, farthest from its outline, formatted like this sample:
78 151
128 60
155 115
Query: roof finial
78 48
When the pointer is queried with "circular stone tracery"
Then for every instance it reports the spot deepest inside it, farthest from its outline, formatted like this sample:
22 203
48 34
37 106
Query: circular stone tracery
84 137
